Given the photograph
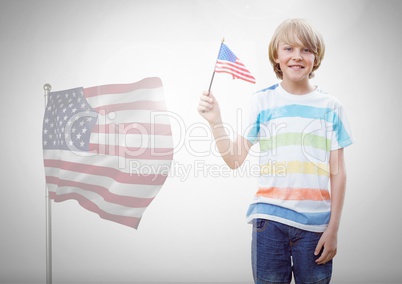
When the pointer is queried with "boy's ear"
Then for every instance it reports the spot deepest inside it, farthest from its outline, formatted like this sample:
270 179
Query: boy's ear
276 60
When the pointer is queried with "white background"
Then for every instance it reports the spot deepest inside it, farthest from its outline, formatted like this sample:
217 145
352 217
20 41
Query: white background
195 229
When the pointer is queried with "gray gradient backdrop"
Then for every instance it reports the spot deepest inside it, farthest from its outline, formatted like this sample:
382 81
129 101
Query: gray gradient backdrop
195 229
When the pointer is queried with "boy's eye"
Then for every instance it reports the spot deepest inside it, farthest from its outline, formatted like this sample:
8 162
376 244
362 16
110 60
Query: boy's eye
288 48
306 50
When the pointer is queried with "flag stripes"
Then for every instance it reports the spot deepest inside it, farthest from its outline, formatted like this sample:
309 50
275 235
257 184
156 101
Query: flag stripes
236 69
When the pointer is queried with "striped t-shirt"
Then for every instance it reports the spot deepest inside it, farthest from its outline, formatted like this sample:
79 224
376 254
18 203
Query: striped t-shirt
296 134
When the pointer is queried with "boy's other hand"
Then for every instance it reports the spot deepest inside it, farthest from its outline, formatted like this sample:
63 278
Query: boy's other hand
328 246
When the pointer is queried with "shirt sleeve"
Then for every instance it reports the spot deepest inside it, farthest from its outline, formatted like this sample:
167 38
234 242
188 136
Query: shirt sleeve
341 132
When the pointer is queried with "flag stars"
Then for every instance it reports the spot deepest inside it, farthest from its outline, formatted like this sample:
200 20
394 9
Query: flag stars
66 122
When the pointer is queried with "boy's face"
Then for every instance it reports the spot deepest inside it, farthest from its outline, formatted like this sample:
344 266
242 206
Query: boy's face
295 60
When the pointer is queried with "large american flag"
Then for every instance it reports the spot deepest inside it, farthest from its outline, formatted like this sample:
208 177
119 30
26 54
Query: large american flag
229 63
108 147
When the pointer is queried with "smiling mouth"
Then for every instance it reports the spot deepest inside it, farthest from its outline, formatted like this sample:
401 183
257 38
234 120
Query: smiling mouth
296 67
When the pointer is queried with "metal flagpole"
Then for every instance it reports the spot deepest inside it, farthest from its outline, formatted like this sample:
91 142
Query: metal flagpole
48 211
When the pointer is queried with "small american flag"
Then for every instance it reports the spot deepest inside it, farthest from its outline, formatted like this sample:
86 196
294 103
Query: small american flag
108 147
229 63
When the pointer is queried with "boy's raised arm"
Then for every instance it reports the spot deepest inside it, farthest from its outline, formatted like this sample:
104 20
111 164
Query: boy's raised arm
233 152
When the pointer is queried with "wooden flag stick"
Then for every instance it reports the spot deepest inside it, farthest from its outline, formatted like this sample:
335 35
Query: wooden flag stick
213 74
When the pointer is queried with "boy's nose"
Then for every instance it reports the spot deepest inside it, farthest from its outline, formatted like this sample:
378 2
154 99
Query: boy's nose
297 56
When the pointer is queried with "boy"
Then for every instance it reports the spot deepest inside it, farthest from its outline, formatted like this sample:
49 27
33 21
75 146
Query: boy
301 132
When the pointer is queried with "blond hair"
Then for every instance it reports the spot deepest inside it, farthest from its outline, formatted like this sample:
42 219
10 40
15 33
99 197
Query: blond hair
294 31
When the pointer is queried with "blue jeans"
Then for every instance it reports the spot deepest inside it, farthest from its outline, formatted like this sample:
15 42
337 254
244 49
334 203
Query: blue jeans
278 250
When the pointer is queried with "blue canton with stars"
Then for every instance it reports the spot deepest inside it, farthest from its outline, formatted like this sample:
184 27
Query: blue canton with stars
226 54
68 121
